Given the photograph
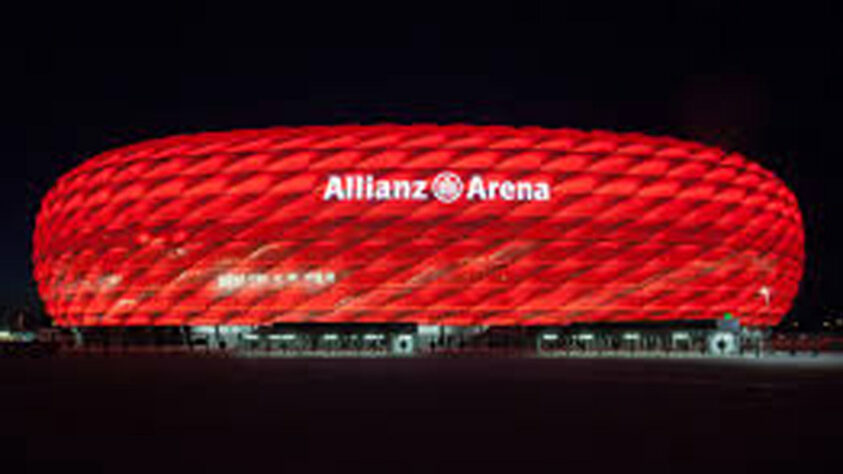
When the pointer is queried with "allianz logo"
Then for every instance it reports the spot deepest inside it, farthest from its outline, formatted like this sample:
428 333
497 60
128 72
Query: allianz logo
447 187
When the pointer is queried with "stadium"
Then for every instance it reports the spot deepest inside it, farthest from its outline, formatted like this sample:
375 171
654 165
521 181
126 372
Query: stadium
412 236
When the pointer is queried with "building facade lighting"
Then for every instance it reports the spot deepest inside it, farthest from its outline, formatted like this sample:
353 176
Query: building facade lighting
432 225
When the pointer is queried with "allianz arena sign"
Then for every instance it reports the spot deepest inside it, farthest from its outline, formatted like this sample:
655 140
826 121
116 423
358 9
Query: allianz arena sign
447 187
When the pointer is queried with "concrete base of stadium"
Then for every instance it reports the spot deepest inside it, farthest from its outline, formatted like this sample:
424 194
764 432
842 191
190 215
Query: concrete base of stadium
707 338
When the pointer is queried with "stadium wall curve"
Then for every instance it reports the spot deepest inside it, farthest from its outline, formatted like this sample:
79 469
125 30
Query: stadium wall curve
452 225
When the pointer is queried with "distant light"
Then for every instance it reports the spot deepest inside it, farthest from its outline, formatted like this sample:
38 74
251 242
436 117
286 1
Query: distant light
584 337
282 337
251 337
631 336
373 337
331 337
428 330
550 337
681 335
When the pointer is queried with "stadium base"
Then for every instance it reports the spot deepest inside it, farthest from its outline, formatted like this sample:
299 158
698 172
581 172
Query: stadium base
698 338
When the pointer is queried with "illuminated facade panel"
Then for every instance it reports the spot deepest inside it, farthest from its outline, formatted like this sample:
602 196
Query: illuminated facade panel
451 225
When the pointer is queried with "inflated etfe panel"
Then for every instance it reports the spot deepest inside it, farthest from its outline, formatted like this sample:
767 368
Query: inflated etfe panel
429 224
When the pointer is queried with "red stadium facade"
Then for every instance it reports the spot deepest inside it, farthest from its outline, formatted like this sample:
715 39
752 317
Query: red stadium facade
443 225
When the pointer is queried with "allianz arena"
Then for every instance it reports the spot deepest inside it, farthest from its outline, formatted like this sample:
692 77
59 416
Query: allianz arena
430 225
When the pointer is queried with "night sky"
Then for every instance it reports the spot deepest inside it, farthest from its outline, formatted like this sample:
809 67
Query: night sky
762 80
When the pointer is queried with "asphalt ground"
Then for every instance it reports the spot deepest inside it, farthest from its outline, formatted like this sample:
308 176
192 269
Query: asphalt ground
225 414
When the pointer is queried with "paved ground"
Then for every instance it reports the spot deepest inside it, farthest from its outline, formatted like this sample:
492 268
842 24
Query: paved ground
191 414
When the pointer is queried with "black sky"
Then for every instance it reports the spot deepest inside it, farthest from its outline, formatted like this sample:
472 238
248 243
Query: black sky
762 79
